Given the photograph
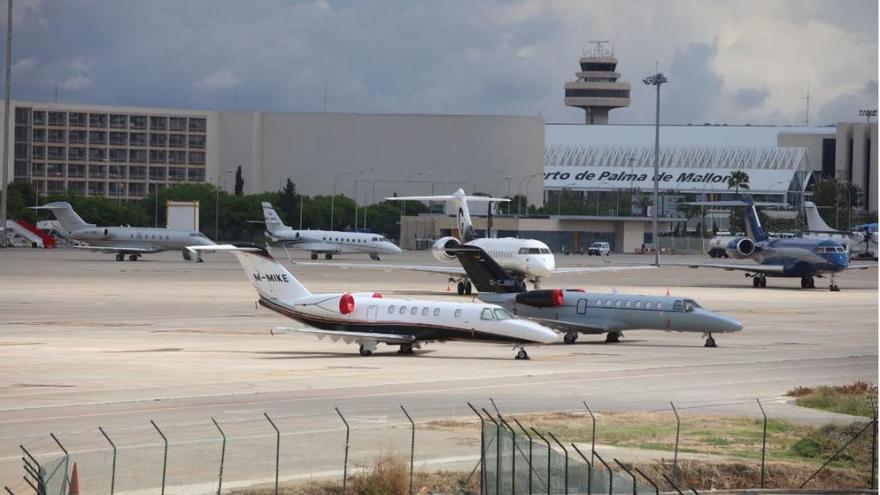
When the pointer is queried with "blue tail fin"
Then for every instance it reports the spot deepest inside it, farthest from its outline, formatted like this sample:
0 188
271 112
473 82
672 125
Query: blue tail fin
753 224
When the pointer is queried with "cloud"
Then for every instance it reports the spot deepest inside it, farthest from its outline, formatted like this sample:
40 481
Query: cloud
845 107
221 79
694 86
750 97
75 83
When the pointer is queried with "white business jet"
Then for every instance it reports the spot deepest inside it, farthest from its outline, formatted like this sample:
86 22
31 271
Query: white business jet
369 319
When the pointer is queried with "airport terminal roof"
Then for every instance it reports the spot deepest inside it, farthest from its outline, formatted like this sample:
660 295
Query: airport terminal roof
676 156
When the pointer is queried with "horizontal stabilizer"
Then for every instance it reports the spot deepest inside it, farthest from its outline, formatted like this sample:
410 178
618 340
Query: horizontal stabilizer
449 197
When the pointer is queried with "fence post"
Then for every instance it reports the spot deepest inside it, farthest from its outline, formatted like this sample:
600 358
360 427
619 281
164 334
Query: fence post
113 468
164 456
222 456
497 451
672 484
610 473
845 446
40 489
482 449
589 469
874 447
549 457
635 489
64 481
345 461
412 447
763 441
566 459
513 454
531 469
656 488
8 490
675 452
593 438
277 450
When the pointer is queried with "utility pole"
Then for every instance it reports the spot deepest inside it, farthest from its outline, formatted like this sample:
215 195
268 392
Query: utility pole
656 80
8 92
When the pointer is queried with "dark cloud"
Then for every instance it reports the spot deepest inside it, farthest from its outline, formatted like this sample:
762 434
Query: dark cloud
750 97
845 108
694 86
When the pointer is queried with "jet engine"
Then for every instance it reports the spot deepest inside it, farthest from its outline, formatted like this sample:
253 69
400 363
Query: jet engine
546 298
740 247
440 247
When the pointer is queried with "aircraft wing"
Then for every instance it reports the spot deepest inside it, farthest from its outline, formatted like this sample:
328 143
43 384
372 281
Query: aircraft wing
763 269
443 270
349 337
567 326
118 249
609 268
861 266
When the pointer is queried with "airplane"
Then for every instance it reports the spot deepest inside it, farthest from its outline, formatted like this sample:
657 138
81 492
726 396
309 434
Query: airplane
787 258
859 242
326 242
131 241
576 311
526 259
369 319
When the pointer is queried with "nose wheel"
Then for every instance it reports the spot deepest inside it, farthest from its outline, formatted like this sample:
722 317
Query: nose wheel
808 283
375 257
522 354
834 287
612 338
406 349
759 281
465 288
710 342
314 256
365 351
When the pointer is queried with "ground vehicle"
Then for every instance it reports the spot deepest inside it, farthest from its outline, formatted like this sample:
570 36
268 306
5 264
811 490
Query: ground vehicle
599 249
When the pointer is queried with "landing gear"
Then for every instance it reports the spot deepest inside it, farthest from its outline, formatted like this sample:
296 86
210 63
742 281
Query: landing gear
613 337
465 287
375 257
833 286
808 283
120 257
199 260
365 351
710 342
759 281
133 257
522 354
328 256
406 349
314 256
537 283
570 337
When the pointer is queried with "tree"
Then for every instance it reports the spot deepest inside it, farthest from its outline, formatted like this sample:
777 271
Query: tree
738 180
239 182
287 202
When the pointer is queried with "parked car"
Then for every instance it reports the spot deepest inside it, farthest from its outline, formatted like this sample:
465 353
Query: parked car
599 249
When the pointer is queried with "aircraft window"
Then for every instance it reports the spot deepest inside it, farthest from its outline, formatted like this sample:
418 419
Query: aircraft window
375 239
648 305
403 310
545 251
131 236
325 238
391 309
436 311
457 313
639 304
690 305
487 314
425 311
659 305
619 304
414 311
523 251
629 304
839 249
534 251
608 302
196 234
502 314
677 306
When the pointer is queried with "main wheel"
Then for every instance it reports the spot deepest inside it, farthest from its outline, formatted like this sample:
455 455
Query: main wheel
365 352
132 257
468 288
812 283
522 354
328 256
570 337
374 257
314 256
612 337
763 282
120 256
756 282
835 288
461 288
406 349
710 342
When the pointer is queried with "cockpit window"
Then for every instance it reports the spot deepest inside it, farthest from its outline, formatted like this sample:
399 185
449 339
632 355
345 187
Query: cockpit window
487 314
196 234
678 306
523 251
534 251
690 305
502 314
375 239
545 251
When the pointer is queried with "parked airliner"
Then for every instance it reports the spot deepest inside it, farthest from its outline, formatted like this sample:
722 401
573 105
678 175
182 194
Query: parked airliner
122 241
575 311
790 258
858 243
326 242
369 319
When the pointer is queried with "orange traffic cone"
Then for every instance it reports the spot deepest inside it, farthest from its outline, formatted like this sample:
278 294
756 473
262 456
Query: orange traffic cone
74 482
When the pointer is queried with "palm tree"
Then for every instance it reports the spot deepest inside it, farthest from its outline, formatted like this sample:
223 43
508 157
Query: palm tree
738 180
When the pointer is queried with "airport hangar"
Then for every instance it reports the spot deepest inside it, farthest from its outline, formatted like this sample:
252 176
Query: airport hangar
122 152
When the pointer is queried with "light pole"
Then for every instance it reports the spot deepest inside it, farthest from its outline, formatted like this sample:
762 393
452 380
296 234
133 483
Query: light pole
301 202
520 191
220 178
508 179
403 203
528 186
656 80
4 185
333 198
357 179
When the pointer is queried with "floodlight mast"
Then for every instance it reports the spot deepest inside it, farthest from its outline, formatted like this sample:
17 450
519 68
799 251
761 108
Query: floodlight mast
4 183
656 80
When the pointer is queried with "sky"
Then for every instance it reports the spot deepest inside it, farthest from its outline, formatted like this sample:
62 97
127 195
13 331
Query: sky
736 62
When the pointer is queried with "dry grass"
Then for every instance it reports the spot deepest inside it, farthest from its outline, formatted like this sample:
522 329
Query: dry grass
853 399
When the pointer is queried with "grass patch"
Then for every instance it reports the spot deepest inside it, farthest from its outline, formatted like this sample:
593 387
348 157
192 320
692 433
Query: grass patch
853 399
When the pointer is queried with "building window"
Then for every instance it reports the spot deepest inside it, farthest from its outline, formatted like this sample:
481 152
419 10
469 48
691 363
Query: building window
23 116
118 138
57 136
137 156
136 189
176 173
39 135
97 172
96 188
176 157
20 170
118 121
77 119
22 133
177 123
57 118
158 173
137 122
55 170
196 175
197 124
39 170
158 156
97 154
137 139
98 120
196 157
177 140
39 153
76 171
97 137
77 137
39 117
137 173
77 187
76 154
54 186
22 151
116 188
196 141
597 93
56 153
158 139
118 154
158 123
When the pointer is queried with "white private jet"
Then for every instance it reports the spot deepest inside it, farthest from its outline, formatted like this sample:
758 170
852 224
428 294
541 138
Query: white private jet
326 242
369 319
122 241
525 259
859 244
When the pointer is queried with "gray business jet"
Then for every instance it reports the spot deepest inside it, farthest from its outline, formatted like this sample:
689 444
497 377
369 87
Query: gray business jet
576 311
131 241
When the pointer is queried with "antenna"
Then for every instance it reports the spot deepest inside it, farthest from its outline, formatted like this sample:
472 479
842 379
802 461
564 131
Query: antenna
599 49
325 95
807 98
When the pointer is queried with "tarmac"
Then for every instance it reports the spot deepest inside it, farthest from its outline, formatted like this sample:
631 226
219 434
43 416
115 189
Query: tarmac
87 341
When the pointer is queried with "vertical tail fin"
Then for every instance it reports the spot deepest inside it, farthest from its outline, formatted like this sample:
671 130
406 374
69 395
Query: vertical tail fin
814 220
65 214
753 224
273 221
463 216
268 276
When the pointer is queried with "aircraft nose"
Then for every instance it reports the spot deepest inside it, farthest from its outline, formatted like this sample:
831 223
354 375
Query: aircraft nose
395 248
728 324
541 334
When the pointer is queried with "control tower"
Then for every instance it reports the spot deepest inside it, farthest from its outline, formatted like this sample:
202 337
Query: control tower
597 89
